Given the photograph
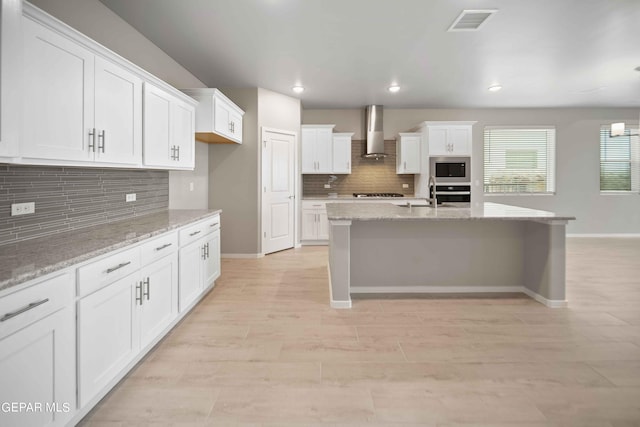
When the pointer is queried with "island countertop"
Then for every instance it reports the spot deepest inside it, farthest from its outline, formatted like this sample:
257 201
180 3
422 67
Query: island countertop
30 259
390 212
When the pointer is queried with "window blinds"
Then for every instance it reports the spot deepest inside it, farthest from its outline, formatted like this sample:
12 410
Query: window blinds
519 160
619 161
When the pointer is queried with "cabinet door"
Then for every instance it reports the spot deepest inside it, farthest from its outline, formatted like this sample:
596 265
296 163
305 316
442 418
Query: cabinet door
118 114
323 147
309 224
212 261
323 225
308 144
409 155
58 96
10 77
182 134
160 298
222 119
107 335
438 141
341 154
191 274
460 140
37 365
236 126
157 130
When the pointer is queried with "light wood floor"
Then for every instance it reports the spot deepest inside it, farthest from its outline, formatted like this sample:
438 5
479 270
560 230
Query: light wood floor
264 348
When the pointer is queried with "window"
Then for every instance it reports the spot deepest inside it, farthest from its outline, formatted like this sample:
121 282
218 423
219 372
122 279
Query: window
519 160
619 161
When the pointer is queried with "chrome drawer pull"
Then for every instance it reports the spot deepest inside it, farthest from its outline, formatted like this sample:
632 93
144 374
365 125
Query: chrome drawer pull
23 309
194 233
166 245
214 224
118 267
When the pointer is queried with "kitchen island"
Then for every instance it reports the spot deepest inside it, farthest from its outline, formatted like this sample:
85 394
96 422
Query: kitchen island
490 247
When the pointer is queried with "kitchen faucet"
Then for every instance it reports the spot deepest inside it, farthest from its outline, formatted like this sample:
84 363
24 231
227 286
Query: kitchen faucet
433 200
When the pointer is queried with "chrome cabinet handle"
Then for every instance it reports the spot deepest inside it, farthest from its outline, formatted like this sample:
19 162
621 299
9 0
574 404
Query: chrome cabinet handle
178 153
204 254
146 282
166 245
139 292
214 224
118 267
23 309
207 250
194 233
92 138
102 136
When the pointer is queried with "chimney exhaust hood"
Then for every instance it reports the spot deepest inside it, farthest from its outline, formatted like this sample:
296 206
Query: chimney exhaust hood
374 148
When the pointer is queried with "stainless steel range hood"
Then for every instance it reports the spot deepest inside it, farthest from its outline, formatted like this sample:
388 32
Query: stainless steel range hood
375 137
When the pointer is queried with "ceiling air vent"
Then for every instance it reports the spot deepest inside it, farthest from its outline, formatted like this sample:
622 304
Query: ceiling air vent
471 20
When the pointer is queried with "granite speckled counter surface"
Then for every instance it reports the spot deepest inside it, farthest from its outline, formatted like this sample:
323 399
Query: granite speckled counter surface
30 259
390 212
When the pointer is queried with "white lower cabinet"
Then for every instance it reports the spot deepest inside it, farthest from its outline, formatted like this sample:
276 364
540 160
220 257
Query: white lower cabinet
37 354
315 225
159 304
121 320
107 337
199 260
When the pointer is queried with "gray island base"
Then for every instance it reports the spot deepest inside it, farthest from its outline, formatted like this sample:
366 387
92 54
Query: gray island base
383 248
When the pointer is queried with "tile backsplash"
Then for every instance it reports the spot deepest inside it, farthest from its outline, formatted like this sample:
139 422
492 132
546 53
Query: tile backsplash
72 198
367 175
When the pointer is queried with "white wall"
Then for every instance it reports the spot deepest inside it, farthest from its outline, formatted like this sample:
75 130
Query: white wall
98 22
577 158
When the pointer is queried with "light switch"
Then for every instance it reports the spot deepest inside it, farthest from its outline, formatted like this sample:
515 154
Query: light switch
131 197
191 186
405 185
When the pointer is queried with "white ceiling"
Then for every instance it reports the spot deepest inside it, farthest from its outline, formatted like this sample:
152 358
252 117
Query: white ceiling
545 53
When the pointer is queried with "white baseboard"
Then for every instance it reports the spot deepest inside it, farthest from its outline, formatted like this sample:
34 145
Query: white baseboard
432 289
551 303
608 235
340 304
242 256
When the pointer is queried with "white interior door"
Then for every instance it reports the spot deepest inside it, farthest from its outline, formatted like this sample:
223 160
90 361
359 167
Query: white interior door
278 192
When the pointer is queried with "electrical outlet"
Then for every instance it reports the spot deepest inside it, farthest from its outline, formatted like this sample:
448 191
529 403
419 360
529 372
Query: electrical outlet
405 185
131 197
23 208
327 186
191 186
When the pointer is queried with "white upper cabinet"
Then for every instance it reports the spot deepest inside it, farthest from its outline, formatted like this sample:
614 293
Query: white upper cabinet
218 119
317 142
341 152
58 102
168 130
82 105
118 114
408 153
450 140
10 75
87 109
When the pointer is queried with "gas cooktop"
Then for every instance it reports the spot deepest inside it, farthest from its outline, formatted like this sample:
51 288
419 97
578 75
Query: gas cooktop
378 195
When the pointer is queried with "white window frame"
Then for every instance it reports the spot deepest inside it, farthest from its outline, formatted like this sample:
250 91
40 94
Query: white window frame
634 160
551 172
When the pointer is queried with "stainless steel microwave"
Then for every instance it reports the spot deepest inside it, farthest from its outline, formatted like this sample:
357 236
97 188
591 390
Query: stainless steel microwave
450 169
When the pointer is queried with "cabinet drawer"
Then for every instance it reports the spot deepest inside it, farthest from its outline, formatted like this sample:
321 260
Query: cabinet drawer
28 305
96 275
194 232
314 204
158 248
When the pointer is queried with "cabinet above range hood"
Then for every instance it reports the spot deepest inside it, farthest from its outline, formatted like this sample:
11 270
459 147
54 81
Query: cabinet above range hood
374 148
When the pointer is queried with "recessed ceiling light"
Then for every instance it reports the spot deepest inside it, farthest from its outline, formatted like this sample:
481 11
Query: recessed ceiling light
393 88
495 88
298 89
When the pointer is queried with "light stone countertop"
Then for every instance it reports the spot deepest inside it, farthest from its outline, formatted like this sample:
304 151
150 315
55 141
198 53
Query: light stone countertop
350 197
30 259
390 212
